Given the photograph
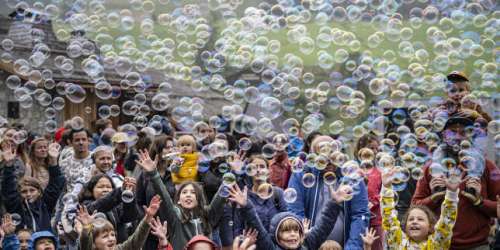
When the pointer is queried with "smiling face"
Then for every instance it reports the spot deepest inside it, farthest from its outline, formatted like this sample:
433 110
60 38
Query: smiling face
24 239
187 197
289 235
458 90
101 188
105 240
103 160
418 225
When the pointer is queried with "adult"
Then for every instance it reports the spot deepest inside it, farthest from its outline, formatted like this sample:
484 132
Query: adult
77 167
354 215
103 164
232 222
121 150
38 164
477 205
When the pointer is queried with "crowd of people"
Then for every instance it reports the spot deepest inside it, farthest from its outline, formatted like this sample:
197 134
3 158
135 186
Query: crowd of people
421 182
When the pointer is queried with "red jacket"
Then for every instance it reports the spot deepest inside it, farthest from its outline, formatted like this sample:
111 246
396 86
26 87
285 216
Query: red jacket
473 223
374 186
280 170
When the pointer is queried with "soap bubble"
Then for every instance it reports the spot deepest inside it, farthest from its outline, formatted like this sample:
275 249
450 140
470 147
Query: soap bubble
290 195
265 191
308 180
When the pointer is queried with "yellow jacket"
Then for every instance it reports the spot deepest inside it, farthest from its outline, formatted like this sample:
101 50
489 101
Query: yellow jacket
188 170
440 239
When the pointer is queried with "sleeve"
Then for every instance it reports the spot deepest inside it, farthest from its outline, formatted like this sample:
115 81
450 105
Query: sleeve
107 202
390 222
138 238
11 242
86 239
492 186
297 207
360 217
215 208
443 230
9 191
140 193
422 195
374 186
54 188
167 204
264 240
130 212
282 205
226 230
320 232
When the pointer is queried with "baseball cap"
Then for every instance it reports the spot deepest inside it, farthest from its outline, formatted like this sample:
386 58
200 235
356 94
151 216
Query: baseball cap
120 137
455 76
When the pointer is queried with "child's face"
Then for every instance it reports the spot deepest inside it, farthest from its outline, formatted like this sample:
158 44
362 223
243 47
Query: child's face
24 238
186 148
105 241
290 239
187 197
458 90
45 244
102 188
202 246
417 225
30 193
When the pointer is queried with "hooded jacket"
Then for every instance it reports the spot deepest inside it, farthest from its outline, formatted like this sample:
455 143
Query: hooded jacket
40 235
268 239
35 215
356 213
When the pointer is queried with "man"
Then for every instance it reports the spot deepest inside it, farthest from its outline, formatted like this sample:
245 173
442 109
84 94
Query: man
354 217
477 204
100 126
77 167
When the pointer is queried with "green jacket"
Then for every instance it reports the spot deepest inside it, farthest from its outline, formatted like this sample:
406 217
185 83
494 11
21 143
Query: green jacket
180 233
134 242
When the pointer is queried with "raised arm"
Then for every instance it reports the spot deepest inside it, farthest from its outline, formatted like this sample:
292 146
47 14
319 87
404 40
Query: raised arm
390 222
216 208
443 230
360 217
297 207
9 183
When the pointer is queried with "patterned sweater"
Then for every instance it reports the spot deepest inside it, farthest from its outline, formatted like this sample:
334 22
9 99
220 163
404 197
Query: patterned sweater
443 230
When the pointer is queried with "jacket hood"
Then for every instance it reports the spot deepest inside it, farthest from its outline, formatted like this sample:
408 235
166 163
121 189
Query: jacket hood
40 235
278 219
200 238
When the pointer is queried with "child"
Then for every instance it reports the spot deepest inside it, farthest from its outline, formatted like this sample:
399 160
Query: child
330 245
287 229
99 234
418 231
29 200
188 214
188 170
24 240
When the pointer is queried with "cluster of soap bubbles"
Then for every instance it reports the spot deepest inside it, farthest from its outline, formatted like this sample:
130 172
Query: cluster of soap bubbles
280 71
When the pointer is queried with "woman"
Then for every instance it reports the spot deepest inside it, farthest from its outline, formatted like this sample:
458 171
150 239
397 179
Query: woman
162 146
38 163
188 214
232 223
100 195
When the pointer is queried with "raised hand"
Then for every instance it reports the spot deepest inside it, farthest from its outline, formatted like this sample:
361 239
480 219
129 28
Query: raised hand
84 217
368 238
307 225
473 184
8 226
8 153
151 211
237 196
343 193
160 231
236 163
54 153
145 161
387 177
129 183
246 241
437 182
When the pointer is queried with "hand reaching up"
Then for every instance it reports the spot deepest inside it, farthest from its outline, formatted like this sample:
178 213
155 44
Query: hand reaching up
84 217
368 238
343 193
145 161
54 149
307 225
246 241
151 211
8 153
237 196
387 176
160 231
8 226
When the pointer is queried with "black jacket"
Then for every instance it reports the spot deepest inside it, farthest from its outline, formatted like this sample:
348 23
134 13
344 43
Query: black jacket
35 215
117 212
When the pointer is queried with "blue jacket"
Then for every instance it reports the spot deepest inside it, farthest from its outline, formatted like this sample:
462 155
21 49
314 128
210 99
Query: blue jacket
356 213
40 235
11 242
232 223
268 239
